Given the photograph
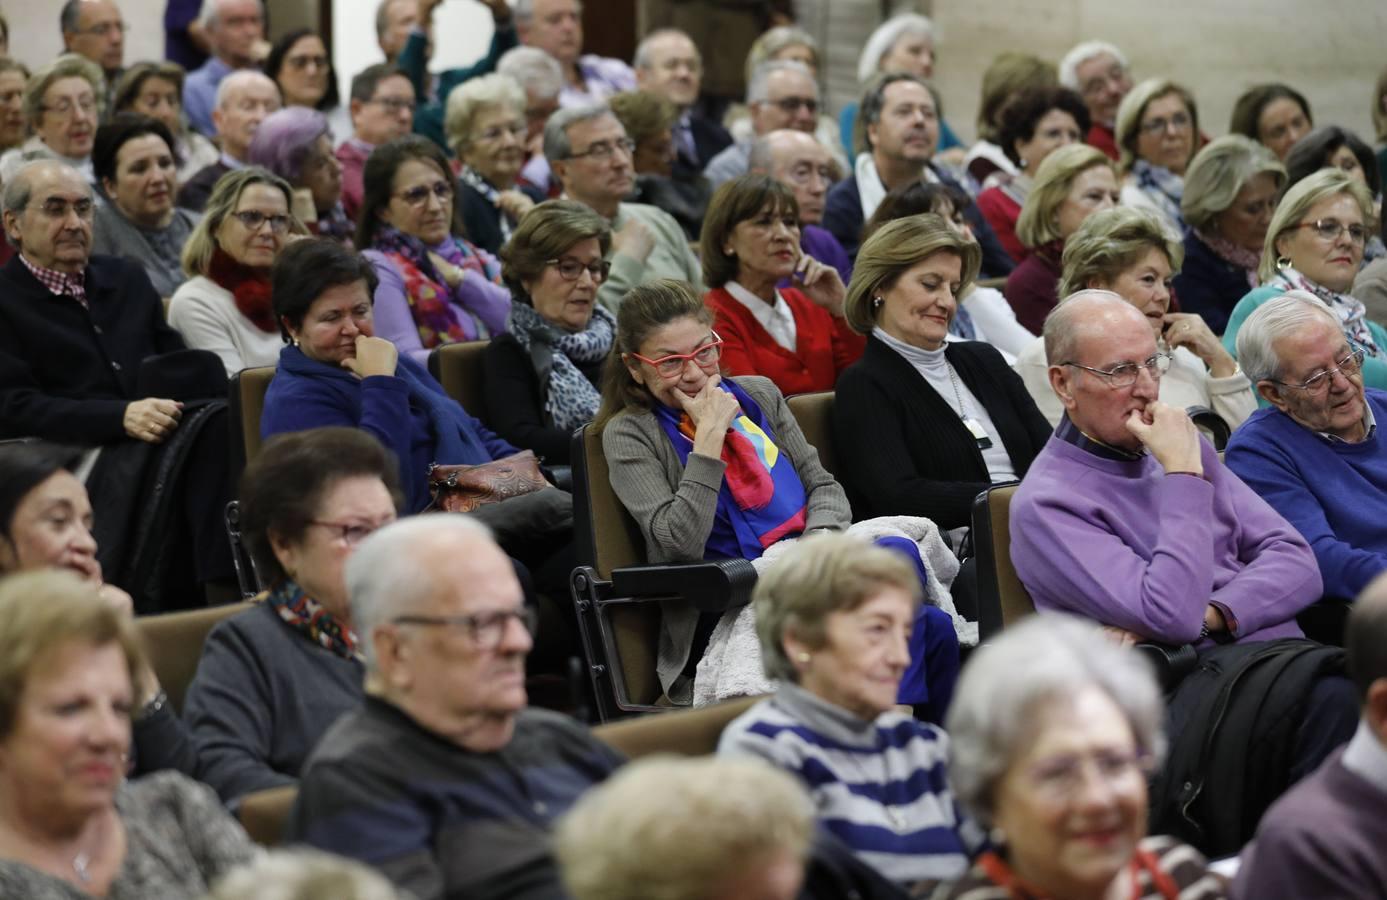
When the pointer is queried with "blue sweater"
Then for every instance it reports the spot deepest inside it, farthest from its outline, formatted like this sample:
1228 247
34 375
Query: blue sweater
1334 494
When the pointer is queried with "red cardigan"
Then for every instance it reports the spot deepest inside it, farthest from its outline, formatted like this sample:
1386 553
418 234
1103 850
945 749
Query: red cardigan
1001 211
824 344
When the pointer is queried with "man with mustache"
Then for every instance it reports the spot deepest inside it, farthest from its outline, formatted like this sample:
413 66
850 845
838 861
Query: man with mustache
445 780
797 160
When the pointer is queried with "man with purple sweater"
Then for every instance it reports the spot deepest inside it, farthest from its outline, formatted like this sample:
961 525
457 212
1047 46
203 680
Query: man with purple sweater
797 160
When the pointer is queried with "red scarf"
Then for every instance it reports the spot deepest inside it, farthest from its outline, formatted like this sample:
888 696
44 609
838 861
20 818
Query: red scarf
250 288
1143 860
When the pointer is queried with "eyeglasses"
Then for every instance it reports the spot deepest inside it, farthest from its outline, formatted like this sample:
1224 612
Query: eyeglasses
1330 229
1059 778
1127 374
804 173
66 106
303 62
790 104
105 28
485 629
254 218
604 149
516 130
394 104
419 195
571 269
1115 77
1317 385
54 208
672 366
350 533
1179 122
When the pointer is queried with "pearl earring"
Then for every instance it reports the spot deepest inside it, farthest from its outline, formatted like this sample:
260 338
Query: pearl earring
802 657
877 302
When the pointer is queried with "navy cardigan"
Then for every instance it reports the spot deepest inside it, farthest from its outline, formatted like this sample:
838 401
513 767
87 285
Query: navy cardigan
1208 284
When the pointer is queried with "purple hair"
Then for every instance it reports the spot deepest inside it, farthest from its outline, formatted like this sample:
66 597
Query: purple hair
284 141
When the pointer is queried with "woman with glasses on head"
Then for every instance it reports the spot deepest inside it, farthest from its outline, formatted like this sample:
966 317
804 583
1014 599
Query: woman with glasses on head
1158 134
1315 244
155 89
543 375
224 306
273 678
62 105
435 286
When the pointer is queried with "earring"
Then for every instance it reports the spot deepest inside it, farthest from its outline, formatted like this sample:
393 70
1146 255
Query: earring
802 656
877 302
1283 262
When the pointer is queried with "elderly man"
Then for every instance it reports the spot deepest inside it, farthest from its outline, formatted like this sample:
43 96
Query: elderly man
668 64
901 120
590 155
1315 455
95 29
541 77
556 27
244 99
445 780
797 160
382 108
1325 837
782 94
1098 72
236 30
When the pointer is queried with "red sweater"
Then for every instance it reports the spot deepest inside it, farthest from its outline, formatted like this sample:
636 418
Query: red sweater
1105 139
824 344
1001 212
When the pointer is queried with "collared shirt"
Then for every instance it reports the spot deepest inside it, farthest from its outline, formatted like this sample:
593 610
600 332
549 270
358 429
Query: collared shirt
1068 432
684 139
776 318
1369 426
1366 757
602 77
60 283
200 94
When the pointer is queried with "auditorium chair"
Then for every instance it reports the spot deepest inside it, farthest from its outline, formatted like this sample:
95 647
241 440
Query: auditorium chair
265 814
173 642
814 413
688 732
1211 425
245 405
458 367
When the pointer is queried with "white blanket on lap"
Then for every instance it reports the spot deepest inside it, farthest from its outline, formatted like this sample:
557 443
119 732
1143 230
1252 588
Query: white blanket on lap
731 666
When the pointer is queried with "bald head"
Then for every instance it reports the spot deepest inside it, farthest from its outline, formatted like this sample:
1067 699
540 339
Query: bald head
1081 315
244 99
797 160
48 215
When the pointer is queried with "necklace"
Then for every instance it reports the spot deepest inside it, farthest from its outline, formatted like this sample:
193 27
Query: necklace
79 865
973 425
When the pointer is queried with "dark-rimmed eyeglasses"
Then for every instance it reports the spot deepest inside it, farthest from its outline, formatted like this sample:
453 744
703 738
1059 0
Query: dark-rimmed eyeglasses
1318 384
672 366
1127 374
604 149
485 629
571 269
419 194
254 218
789 105
350 533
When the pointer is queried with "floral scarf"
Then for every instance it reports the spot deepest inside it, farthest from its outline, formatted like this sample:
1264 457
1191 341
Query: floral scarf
249 287
1163 186
438 319
308 617
571 400
469 176
1349 309
1233 254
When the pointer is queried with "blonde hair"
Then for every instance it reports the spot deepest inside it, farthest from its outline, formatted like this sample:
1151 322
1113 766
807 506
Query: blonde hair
202 243
1009 74
1054 178
1220 171
893 249
1112 241
471 97
68 65
1298 199
1133 107
303 874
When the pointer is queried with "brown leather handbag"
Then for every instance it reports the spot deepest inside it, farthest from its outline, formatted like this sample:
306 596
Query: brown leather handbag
464 488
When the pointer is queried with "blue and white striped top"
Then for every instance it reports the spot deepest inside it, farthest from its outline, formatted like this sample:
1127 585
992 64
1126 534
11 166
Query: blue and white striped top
880 787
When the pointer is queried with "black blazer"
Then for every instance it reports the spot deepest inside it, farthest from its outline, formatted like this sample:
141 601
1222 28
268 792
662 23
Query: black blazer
67 372
510 391
482 219
902 448
709 139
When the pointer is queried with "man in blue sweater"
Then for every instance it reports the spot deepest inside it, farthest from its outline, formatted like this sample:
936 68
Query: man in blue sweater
1315 455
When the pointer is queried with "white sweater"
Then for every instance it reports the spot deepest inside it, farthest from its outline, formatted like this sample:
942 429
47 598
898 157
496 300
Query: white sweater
205 314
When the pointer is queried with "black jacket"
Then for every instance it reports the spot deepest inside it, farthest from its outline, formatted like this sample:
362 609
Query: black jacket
902 448
482 219
67 372
513 407
709 139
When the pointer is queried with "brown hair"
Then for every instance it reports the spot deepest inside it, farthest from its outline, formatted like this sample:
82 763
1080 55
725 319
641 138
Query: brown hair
547 232
737 201
643 114
896 247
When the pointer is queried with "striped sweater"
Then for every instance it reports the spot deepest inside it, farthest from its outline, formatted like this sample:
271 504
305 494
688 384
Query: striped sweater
880 787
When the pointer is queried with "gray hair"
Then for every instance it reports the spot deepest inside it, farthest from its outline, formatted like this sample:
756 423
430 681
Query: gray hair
524 10
757 90
1011 681
67 65
642 58
557 146
1064 325
1220 171
1082 53
772 42
885 37
874 101
382 20
471 97
534 69
303 874
208 16
1277 318
19 190
386 576
237 80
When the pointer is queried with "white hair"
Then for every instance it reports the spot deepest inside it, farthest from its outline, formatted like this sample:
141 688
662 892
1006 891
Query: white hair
1062 327
524 10
1277 318
303 874
208 16
1082 53
642 58
239 79
756 89
885 37
533 69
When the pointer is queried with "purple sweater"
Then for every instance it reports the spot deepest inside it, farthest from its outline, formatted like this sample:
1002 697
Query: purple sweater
394 321
1122 543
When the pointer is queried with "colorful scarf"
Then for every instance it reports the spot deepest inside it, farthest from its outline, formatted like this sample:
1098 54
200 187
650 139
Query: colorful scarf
469 176
1233 254
1353 316
439 318
335 224
761 499
249 287
1001 874
308 617
1163 186
571 400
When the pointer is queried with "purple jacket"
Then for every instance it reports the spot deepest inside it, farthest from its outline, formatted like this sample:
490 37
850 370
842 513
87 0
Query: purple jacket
394 321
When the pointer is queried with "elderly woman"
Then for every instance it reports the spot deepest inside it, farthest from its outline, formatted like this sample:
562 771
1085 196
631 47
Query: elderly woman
1273 115
62 104
71 825
435 287
921 424
834 620
295 143
135 164
903 43
155 89
644 833
273 678
557 332
649 120
224 306
1053 734
1008 75
1230 193
13 127
1034 124
486 128
301 873
795 336
1130 253
1157 132
1073 183
1315 243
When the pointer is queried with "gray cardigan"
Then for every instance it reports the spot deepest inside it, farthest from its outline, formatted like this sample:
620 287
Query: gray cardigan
675 505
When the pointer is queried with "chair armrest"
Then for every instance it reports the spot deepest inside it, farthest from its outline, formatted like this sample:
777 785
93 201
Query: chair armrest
1212 423
711 586
1171 663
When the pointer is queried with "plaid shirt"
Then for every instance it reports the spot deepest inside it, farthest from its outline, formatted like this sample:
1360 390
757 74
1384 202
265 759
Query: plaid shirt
59 283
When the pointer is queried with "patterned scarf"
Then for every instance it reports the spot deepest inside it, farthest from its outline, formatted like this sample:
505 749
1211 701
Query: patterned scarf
1233 254
1001 874
762 499
571 399
335 224
1350 310
1163 186
308 617
250 288
468 176
438 319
